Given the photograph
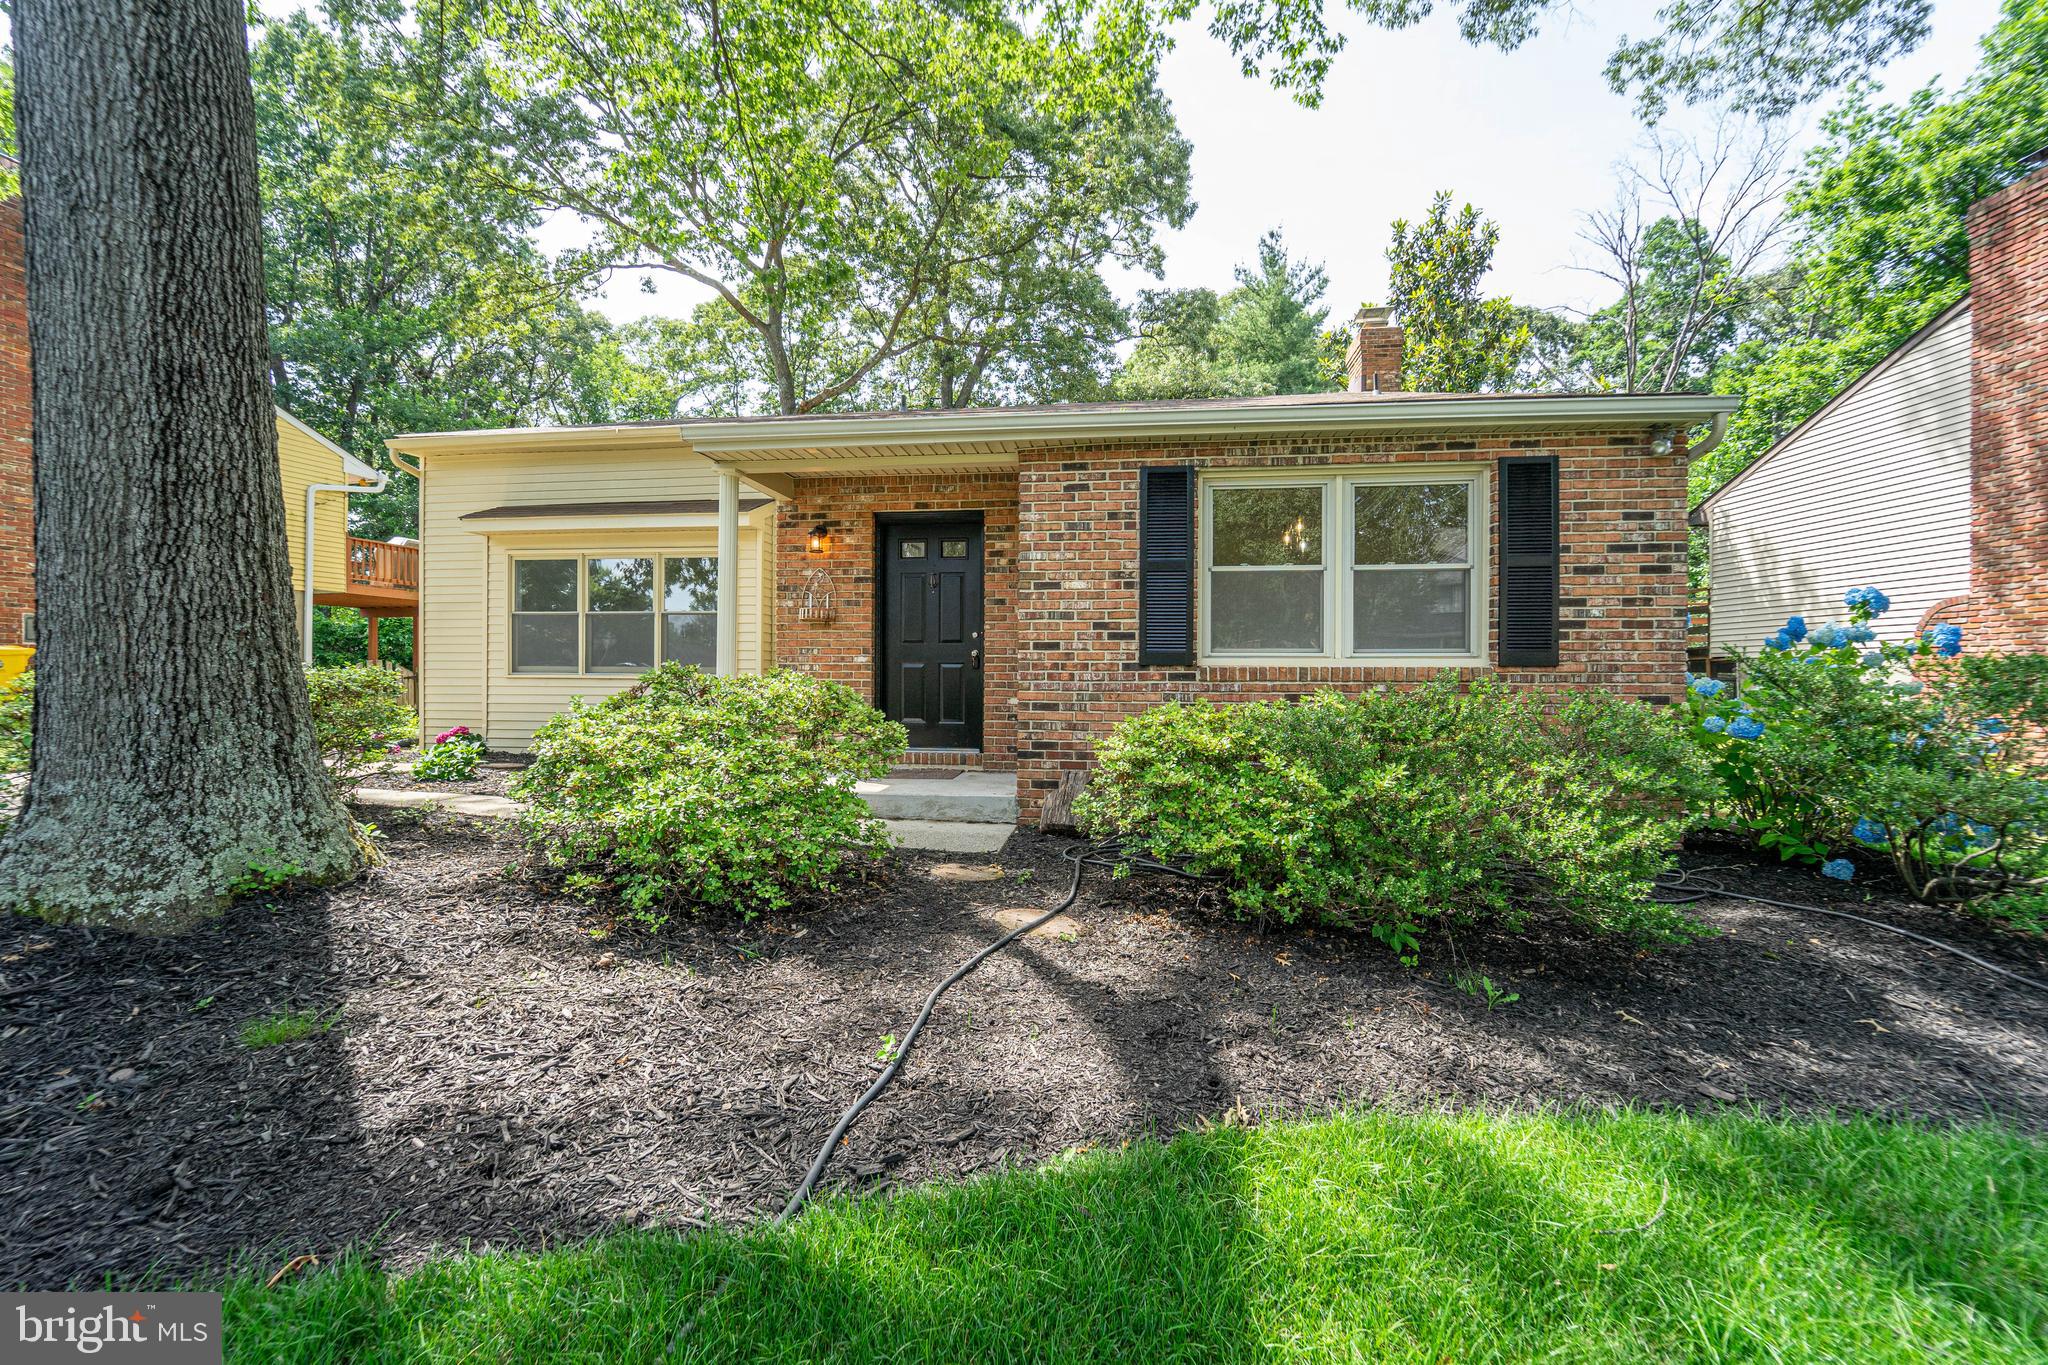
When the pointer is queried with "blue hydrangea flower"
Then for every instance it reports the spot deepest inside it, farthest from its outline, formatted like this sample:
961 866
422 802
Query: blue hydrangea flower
1911 687
1714 725
1947 640
1709 687
1841 869
1876 601
1981 834
1828 636
1991 726
1872 658
1779 641
1870 831
1795 627
1858 633
1745 727
1947 824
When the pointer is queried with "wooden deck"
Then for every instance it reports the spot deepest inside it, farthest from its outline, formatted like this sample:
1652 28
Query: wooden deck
383 579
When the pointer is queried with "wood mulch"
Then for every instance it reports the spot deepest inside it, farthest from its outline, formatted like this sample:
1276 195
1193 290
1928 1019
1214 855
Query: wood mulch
493 777
500 1072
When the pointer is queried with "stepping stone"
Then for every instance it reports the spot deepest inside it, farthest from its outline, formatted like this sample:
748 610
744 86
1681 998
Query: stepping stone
966 872
1059 926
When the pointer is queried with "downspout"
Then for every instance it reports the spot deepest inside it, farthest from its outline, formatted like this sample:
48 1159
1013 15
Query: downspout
1714 435
313 490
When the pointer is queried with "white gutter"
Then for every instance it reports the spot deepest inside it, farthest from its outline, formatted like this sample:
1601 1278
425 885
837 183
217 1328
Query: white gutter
306 600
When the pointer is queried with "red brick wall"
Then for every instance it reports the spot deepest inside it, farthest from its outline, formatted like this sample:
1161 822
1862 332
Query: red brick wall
1062 584
1622 595
1375 357
17 496
2008 606
844 648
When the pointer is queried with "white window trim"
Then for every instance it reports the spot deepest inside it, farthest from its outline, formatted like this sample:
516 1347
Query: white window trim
1338 509
581 559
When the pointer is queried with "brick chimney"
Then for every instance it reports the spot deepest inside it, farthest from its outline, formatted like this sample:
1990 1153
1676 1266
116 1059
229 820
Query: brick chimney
2008 607
1374 360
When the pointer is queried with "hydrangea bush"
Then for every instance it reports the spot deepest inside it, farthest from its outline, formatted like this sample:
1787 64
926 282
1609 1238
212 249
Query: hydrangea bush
455 756
1398 809
696 791
1837 740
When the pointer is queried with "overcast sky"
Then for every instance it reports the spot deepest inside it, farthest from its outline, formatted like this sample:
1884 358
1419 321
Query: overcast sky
1532 137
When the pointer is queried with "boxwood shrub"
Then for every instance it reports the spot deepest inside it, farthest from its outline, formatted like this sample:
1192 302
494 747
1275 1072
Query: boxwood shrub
1397 809
693 791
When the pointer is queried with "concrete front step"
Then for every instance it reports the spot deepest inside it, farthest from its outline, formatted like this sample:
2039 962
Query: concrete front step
971 797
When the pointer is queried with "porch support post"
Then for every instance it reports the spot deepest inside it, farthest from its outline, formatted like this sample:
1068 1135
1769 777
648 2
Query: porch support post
372 618
728 571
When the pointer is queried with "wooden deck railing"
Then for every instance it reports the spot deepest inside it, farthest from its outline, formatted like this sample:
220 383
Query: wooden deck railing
380 564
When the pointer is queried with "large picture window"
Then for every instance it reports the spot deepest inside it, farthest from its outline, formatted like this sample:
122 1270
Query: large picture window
614 613
1353 565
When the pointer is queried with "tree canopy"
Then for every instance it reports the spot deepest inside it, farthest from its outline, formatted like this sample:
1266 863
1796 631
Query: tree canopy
1264 336
1455 339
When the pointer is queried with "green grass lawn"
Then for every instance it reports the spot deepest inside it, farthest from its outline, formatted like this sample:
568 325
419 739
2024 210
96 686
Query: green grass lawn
1376 1237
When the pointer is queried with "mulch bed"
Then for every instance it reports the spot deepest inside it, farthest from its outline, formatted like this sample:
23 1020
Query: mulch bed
493 778
500 1075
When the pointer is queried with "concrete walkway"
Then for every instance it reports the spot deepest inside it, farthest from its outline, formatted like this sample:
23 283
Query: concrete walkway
939 794
940 836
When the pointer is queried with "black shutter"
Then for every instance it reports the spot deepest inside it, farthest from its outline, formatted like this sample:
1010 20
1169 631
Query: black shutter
1528 561
1166 564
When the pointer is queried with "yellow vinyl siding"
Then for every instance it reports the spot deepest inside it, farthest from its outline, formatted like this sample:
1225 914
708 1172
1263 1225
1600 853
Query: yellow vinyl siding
303 461
466 577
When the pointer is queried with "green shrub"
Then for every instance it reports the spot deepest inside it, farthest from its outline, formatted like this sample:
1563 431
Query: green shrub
1910 751
359 717
17 722
1399 808
455 756
691 790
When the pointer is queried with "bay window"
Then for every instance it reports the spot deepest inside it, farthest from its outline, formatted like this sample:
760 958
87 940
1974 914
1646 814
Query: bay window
1365 564
605 613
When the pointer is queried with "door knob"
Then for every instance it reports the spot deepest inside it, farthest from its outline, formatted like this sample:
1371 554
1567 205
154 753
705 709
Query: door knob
974 657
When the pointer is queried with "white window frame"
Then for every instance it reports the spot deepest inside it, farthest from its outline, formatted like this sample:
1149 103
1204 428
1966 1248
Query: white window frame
582 558
1339 508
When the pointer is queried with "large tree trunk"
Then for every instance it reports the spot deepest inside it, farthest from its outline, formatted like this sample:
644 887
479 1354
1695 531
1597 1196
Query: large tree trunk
173 742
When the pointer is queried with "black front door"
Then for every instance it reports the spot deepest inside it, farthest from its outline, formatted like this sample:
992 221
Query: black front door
931 631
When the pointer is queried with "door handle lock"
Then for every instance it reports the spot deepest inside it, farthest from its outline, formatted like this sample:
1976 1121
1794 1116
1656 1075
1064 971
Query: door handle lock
974 657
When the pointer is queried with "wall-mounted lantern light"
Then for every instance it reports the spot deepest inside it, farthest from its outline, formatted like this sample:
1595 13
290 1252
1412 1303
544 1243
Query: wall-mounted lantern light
821 539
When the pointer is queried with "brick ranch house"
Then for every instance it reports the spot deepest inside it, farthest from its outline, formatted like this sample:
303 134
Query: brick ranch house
1009 582
1927 477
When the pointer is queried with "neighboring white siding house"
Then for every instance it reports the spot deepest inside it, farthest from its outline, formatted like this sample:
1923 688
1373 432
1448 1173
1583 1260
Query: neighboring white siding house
1874 489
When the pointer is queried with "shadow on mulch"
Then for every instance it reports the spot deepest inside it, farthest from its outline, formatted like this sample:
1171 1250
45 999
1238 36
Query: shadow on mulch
502 1075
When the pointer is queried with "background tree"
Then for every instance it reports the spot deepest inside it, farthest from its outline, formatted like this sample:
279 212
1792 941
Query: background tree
1691 228
1265 336
1761 56
403 286
862 185
1456 340
1879 241
174 746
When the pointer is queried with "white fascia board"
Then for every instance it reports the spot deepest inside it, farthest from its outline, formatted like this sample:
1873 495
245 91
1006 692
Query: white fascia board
722 441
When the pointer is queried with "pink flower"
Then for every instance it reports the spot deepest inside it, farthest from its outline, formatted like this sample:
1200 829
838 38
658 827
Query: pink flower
459 732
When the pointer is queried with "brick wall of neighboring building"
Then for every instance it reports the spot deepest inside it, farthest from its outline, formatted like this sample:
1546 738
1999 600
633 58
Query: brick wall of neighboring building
844 647
17 497
1061 581
2008 603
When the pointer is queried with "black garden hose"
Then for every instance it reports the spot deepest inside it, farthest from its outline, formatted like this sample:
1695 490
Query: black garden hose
1683 888
1106 854
1090 855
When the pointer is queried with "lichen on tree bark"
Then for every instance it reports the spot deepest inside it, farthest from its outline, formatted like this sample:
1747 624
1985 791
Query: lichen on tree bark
173 740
